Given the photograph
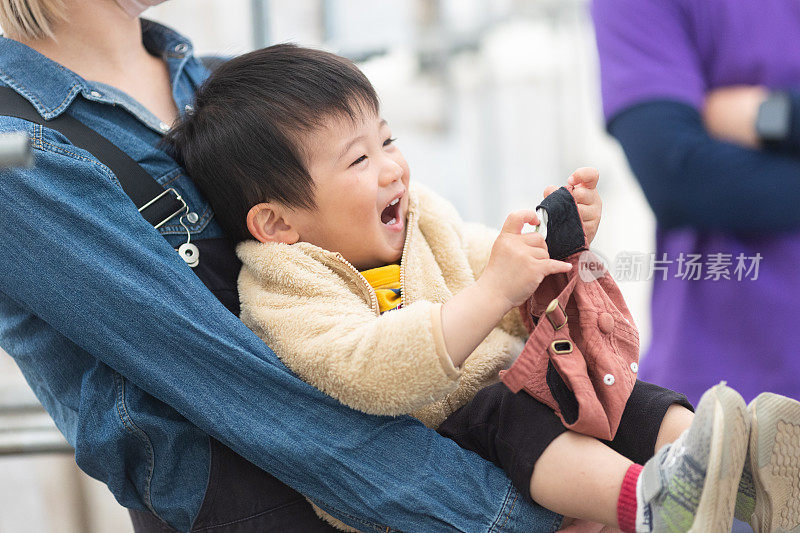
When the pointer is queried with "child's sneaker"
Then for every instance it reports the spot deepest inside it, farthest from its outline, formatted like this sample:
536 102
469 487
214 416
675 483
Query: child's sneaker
691 484
775 462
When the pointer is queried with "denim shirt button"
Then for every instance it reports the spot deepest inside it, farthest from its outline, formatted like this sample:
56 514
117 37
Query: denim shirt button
95 94
163 126
181 48
192 217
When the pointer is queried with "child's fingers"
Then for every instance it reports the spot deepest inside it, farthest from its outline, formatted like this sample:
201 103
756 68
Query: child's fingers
516 220
550 189
585 176
552 266
588 212
585 196
534 240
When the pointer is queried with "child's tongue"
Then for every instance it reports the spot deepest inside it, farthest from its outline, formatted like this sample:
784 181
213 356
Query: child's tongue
389 213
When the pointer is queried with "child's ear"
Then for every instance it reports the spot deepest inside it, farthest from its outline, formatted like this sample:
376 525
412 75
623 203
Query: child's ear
267 223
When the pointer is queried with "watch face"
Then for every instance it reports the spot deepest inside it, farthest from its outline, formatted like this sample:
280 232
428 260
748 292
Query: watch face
774 118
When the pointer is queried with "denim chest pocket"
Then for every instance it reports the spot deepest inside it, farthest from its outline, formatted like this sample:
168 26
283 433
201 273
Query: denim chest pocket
199 216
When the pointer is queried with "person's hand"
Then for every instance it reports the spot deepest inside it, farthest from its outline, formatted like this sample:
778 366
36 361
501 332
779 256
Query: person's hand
583 526
583 185
730 113
519 261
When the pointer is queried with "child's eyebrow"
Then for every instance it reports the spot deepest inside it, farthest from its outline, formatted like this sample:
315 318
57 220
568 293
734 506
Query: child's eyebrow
354 140
350 145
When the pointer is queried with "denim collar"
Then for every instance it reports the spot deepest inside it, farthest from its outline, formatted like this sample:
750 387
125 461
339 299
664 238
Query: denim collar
51 88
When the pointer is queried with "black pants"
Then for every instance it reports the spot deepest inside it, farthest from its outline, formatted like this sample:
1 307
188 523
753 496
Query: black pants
513 430
242 498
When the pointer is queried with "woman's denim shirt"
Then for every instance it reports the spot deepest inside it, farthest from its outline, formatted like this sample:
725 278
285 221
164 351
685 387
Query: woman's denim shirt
138 363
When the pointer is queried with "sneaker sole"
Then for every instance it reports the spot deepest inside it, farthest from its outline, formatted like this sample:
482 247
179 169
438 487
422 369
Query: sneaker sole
775 436
725 463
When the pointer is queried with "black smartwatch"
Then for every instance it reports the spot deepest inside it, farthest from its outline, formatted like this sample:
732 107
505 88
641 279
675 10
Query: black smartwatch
774 120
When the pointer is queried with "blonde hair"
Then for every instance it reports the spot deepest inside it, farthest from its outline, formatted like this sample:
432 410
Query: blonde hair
30 19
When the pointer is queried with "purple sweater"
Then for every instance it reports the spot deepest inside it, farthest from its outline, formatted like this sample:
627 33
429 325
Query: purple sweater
706 330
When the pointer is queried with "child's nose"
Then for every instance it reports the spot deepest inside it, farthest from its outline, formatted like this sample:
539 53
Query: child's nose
391 171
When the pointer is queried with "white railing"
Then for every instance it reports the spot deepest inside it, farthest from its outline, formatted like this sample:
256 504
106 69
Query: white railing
25 427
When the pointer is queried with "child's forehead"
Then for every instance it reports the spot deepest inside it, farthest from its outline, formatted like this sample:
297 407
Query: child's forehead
337 132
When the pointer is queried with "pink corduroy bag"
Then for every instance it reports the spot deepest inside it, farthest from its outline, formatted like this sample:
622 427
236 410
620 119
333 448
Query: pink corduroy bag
582 356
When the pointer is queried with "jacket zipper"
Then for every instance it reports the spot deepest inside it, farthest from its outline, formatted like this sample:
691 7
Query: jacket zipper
409 225
373 296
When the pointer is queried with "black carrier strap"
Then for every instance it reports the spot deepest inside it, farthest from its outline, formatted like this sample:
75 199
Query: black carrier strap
156 204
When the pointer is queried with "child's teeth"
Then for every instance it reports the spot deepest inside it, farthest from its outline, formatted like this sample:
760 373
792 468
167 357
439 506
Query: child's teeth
391 222
395 201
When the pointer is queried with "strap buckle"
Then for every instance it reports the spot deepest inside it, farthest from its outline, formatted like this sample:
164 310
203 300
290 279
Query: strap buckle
178 198
556 315
561 346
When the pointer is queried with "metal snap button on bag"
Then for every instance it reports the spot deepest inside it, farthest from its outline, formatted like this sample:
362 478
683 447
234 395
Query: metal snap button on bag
188 251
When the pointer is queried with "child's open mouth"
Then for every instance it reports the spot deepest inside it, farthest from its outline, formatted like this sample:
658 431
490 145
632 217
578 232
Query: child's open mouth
391 213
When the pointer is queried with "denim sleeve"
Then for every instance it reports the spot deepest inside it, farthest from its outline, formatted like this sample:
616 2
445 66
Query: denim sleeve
76 253
693 180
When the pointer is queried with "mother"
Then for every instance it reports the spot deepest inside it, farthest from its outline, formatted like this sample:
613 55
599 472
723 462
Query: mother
164 394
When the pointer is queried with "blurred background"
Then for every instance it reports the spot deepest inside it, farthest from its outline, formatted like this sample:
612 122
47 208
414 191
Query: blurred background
490 100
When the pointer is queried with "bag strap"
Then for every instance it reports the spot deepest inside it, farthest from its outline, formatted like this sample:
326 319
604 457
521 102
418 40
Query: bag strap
156 204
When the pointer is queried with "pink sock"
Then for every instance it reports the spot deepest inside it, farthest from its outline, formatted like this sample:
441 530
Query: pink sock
626 504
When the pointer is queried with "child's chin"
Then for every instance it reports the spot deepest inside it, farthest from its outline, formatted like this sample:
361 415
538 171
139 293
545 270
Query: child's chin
394 257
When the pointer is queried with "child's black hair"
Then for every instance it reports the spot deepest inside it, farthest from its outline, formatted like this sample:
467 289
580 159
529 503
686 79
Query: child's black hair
241 143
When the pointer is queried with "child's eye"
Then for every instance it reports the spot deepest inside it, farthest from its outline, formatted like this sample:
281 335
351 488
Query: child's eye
359 160
389 141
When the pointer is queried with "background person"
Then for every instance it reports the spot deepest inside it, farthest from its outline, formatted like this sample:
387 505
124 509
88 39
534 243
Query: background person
683 85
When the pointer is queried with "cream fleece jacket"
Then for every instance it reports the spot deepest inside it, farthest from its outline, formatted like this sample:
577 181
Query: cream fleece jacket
321 317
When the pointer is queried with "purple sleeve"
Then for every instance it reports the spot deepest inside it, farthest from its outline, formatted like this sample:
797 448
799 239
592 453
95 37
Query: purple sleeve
646 54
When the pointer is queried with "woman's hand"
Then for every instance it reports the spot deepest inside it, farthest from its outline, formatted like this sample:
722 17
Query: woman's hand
729 113
583 185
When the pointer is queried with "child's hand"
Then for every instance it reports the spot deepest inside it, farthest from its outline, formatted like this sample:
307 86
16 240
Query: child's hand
519 262
583 185
517 265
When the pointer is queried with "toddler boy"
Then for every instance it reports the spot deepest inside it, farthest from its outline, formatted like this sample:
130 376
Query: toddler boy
375 292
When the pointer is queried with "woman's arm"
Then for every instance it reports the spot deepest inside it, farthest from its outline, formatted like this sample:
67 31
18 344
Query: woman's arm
691 179
654 86
76 254
731 113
